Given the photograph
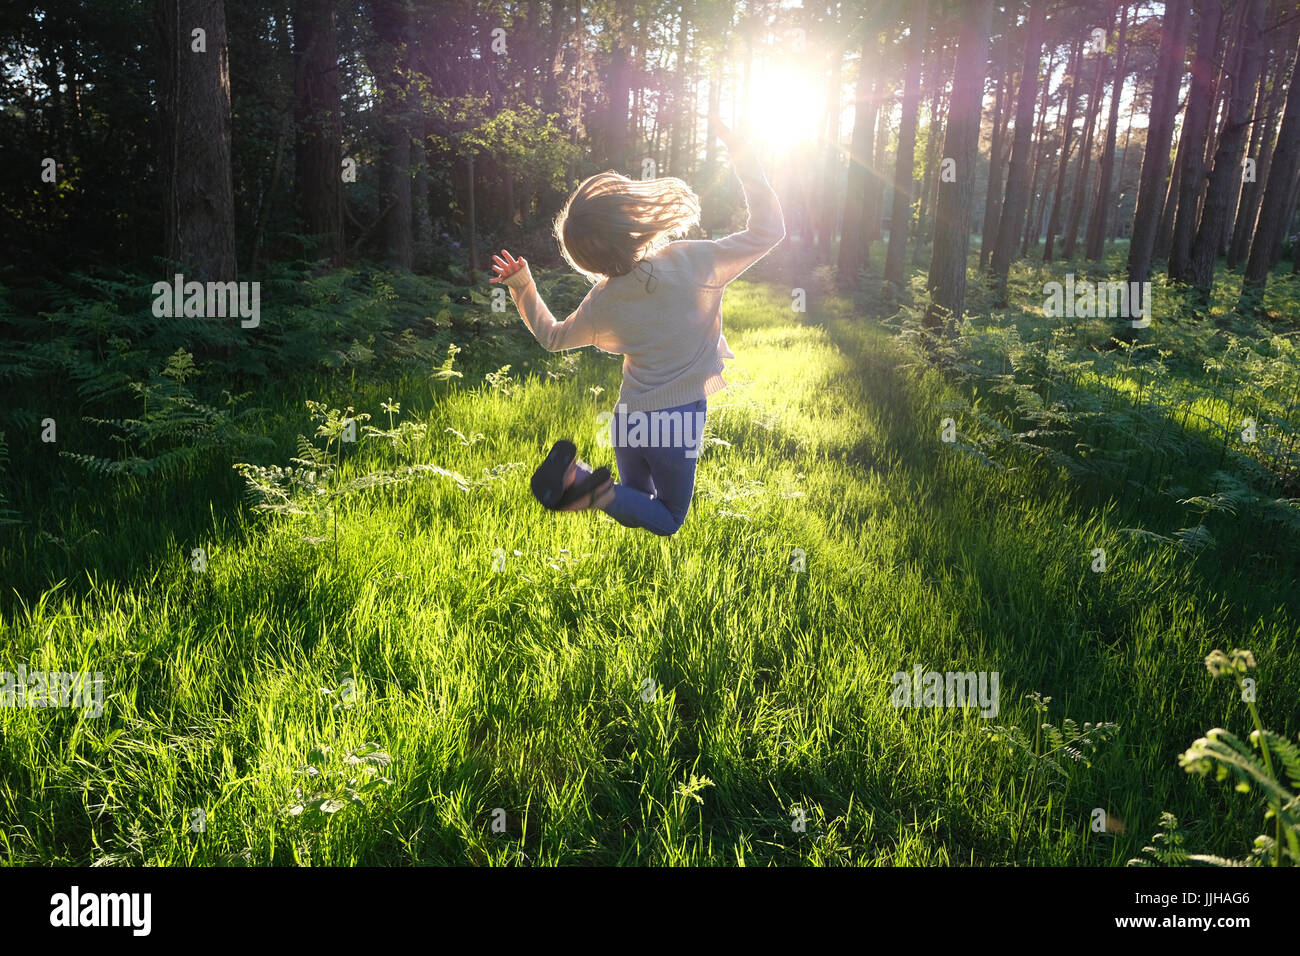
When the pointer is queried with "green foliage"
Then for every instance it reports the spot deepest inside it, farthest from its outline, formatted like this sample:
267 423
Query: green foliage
174 429
330 789
7 515
1197 413
1046 759
1227 756
315 483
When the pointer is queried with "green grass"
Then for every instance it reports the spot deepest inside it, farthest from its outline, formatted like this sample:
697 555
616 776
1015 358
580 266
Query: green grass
625 698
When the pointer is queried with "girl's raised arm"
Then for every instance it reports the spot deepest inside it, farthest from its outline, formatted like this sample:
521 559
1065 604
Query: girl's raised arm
574 332
727 258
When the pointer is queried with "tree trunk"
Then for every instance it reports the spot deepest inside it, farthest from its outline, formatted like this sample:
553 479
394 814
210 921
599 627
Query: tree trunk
1196 128
1226 173
855 239
1252 192
620 88
828 205
1032 221
1274 213
1013 208
1074 220
1096 237
392 23
947 278
876 184
997 157
194 124
901 215
1160 130
930 176
1067 136
318 148
1123 162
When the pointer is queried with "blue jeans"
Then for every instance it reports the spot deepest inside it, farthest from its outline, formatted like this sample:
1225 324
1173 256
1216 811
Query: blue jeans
656 454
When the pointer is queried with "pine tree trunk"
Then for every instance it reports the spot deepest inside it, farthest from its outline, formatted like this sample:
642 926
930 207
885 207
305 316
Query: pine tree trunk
1032 220
1075 219
855 239
1096 237
997 157
947 278
194 125
1226 173
930 175
1013 208
1275 212
1067 137
1253 192
828 205
1155 159
391 20
901 215
1196 128
318 149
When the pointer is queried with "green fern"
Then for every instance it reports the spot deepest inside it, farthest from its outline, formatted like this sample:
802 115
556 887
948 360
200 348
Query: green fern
1226 755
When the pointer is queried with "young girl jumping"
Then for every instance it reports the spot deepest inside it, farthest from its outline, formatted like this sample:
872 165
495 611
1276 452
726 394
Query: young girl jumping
658 303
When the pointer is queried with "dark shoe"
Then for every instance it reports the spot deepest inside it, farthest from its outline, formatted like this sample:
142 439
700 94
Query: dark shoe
548 479
584 494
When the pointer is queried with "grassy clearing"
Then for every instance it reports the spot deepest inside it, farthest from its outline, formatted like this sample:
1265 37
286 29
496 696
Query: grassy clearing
623 698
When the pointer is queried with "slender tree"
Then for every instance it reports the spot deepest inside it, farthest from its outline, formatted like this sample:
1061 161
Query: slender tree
1017 198
1155 159
1075 218
194 123
947 277
1226 174
1275 210
1096 237
905 158
318 149
1067 141
855 235
997 152
1196 126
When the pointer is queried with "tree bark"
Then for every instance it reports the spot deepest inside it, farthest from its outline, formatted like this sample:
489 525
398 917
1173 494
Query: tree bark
855 238
901 215
1095 241
1032 220
1196 128
1253 192
947 278
194 124
1155 159
1013 208
997 157
1274 213
1074 220
1226 173
1067 136
318 147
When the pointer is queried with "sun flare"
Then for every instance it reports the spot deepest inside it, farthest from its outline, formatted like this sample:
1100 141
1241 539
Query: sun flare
786 107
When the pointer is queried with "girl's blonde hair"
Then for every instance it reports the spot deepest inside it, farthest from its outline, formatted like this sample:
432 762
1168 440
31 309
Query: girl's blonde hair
611 222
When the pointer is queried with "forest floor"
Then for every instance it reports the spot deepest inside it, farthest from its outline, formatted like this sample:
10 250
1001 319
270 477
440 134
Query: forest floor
454 675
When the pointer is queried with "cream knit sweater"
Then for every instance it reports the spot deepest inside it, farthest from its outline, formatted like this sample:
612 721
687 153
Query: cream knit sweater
665 316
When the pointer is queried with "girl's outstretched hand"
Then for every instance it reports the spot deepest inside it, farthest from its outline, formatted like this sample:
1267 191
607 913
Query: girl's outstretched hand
506 267
737 145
